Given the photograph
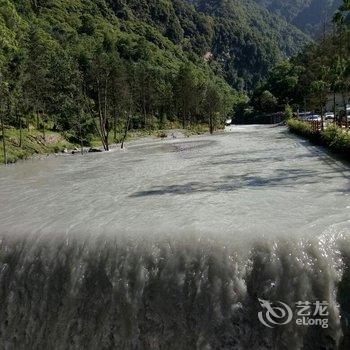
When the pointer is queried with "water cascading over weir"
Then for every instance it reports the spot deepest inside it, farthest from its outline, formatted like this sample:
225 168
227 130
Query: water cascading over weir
176 245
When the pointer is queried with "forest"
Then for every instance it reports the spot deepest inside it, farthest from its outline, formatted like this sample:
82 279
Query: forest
306 80
81 70
99 68
314 82
310 16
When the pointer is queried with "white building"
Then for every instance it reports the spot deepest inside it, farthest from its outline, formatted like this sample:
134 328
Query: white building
339 102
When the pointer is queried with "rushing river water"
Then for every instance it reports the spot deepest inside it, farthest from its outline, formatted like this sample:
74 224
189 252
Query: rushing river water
170 245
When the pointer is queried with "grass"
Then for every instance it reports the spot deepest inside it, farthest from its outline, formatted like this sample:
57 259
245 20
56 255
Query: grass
299 127
337 139
191 130
197 129
333 137
132 135
32 143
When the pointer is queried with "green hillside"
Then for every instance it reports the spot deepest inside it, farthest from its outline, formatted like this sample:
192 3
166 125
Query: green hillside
248 39
245 39
307 15
97 67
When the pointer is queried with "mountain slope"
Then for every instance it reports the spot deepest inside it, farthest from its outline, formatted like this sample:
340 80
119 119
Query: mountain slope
307 15
248 38
245 39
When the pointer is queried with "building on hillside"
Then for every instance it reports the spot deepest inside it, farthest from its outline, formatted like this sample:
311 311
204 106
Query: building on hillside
339 102
208 56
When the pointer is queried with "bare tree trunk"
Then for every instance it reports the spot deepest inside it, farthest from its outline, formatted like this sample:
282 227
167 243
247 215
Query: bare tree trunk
100 117
162 120
3 139
346 116
211 125
100 112
27 121
105 118
115 119
37 119
144 112
126 129
81 141
346 111
143 95
98 129
20 132
335 108
107 136
81 133
44 135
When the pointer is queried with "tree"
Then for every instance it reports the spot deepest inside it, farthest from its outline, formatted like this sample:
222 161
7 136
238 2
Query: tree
119 93
212 105
185 90
341 19
217 104
101 65
144 91
282 82
128 92
320 90
41 49
268 102
102 68
164 102
288 112
4 98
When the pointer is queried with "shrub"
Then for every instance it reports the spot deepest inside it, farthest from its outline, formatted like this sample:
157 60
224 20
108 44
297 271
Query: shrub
337 138
299 127
333 136
162 135
288 112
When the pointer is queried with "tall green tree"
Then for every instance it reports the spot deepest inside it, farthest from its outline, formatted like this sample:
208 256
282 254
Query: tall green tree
3 99
185 91
41 49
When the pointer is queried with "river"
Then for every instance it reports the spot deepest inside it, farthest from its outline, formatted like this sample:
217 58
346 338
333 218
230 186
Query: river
171 244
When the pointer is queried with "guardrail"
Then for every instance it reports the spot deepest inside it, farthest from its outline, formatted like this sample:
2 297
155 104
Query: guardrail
317 125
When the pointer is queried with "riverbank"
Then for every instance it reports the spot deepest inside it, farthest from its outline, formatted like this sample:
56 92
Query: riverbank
333 137
32 143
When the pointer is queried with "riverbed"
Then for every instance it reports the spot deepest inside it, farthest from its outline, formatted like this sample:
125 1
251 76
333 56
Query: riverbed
251 180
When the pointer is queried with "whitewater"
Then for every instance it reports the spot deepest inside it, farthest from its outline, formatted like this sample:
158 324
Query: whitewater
170 244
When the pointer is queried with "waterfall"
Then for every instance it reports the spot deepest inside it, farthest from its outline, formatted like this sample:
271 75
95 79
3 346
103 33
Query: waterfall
108 293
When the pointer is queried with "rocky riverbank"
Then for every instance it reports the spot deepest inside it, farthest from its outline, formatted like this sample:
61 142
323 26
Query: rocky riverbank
32 144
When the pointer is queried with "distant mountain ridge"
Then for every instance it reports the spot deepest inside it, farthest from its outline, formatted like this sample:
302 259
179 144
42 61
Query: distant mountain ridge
248 38
307 15
244 38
